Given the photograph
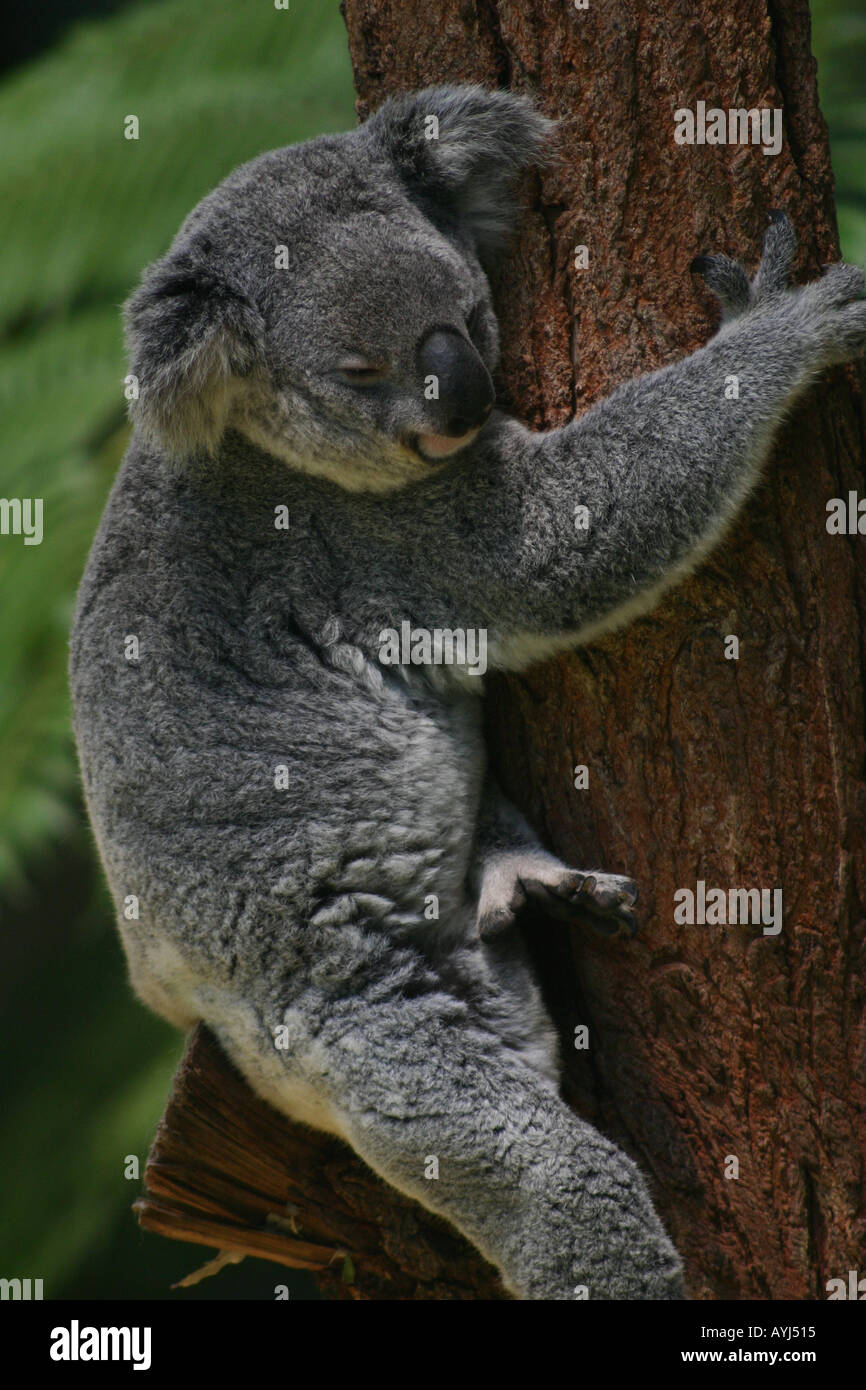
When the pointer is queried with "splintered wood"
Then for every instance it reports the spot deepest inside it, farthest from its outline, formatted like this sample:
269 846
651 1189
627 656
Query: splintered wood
229 1172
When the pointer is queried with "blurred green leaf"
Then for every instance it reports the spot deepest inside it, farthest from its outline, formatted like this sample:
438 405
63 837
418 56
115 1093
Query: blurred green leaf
85 211
839 45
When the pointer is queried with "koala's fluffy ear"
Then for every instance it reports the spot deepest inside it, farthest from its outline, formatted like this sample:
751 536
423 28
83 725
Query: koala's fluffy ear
190 335
462 146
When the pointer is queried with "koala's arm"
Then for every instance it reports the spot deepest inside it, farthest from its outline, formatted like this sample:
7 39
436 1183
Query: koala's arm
661 466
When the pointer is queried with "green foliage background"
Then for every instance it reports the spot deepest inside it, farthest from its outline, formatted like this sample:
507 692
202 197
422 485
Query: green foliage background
85 1068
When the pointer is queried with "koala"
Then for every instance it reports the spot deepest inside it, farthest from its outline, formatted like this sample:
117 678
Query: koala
305 846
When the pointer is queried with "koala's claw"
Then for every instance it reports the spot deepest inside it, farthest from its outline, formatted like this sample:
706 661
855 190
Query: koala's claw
726 279
777 259
729 282
609 898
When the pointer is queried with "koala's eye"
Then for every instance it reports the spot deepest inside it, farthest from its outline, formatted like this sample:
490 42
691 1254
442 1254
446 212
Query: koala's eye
361 371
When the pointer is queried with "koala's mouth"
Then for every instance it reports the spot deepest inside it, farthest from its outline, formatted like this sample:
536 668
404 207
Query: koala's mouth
435 447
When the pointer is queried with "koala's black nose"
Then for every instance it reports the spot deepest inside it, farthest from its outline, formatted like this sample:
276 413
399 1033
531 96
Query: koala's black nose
465 391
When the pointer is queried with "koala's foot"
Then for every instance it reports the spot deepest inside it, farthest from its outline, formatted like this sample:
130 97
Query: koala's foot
513 880
608 897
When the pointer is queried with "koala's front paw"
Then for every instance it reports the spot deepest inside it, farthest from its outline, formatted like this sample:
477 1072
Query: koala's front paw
730 283
829 315
824 321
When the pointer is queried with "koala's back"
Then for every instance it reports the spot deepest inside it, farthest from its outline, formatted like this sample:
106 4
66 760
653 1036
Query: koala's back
252 784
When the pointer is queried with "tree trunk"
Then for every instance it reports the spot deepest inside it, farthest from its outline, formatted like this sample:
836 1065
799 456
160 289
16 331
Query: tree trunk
706 1042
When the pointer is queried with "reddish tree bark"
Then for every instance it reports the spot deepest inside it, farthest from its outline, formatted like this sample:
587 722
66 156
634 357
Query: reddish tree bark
705 1041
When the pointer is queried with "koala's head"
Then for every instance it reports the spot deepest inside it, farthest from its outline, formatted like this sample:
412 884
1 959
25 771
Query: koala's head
328 300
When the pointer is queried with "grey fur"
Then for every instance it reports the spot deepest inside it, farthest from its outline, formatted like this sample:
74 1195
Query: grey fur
304 908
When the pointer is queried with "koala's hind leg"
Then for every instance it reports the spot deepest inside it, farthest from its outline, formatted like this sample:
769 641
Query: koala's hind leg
513 868
431 1098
